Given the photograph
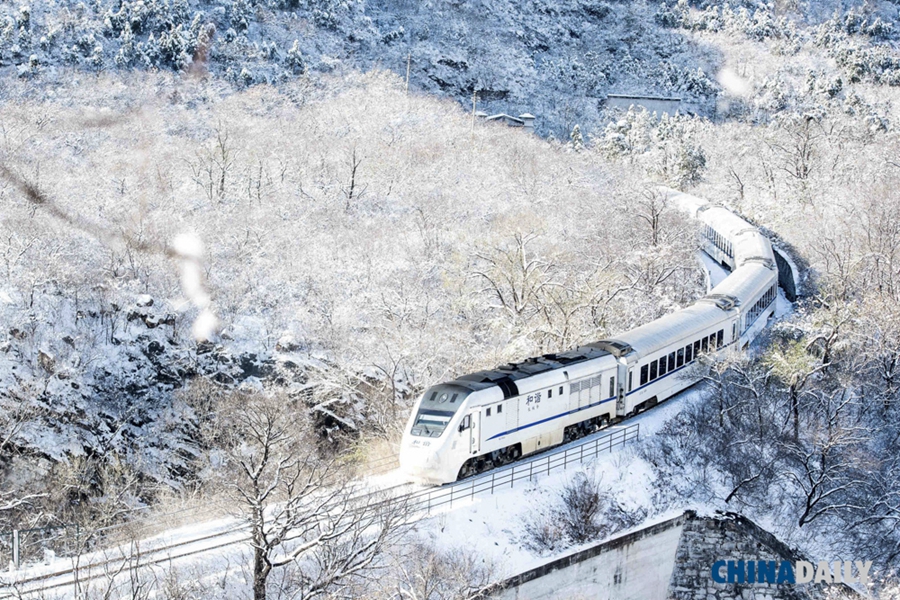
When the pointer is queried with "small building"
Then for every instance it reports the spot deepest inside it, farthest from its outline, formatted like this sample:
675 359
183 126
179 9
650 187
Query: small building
654 104
669 560
525 120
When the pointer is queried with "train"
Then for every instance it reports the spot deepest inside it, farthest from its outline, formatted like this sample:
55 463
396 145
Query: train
494 417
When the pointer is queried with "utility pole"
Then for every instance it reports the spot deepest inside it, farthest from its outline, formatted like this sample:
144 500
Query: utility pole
474 101
408 60
16 558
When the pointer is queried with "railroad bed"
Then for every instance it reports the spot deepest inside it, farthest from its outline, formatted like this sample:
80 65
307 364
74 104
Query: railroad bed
121 560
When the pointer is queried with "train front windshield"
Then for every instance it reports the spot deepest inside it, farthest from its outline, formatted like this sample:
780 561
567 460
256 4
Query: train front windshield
438 406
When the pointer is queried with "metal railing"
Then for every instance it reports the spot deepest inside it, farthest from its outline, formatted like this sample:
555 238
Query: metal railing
419 501
506 478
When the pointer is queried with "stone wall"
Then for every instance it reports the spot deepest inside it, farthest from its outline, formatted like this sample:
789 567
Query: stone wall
705 540
671 560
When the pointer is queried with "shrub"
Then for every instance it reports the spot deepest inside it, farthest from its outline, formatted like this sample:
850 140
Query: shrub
583 511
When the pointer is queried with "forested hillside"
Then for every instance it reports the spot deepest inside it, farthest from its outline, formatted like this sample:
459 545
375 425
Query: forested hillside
358 244
555 60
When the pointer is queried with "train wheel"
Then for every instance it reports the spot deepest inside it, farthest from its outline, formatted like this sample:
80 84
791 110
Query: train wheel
467 470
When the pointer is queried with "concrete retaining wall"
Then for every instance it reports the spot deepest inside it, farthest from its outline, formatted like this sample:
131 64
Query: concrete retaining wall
637 566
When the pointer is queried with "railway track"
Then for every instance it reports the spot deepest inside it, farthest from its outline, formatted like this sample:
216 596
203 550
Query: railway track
126 558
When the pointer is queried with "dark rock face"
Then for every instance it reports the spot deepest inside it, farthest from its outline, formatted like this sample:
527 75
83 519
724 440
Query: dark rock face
120 393
252 366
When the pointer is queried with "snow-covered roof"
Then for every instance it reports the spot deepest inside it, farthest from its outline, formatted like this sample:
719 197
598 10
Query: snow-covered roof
505 116
722 220
749 281
685 323
639 97
746 239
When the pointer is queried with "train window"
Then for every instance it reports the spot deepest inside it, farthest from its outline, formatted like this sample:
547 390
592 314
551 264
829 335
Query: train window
696 348
704 344
720 337
630 373
612 386
671 361
560 390
644 371
487 412
499 408
653 370
663 366
679 357
431 423
550 393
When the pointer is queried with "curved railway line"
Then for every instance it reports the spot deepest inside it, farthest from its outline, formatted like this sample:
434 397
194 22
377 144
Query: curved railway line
129 557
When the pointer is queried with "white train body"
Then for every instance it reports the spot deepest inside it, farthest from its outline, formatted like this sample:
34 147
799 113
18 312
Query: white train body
493 417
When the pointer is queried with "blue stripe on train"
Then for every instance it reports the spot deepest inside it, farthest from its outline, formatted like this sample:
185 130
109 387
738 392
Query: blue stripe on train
569 412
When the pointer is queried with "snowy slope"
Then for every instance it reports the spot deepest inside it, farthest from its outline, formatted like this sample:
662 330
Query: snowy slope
556 60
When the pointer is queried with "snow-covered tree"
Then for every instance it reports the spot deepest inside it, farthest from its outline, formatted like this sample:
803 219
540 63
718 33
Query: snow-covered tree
576 140
299 507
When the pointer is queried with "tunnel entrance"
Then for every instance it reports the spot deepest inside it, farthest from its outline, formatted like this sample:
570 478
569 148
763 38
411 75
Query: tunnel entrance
786 275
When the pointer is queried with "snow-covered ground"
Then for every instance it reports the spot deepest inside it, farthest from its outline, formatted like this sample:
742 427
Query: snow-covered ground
715 272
